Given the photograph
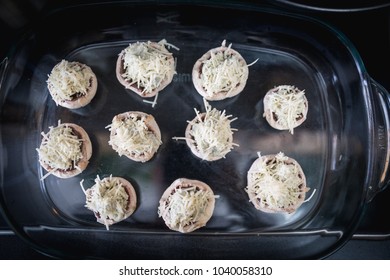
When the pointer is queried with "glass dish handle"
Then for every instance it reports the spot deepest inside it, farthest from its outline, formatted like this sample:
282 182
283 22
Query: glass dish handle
3 67
381 118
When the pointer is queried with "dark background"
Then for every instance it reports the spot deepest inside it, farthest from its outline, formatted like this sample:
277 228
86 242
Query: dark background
365 23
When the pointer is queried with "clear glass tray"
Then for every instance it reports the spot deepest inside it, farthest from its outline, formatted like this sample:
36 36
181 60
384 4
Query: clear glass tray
333 151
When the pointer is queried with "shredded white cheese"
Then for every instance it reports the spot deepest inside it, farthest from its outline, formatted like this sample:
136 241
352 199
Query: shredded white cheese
133 136
146 66
185 206
68 80
60 148
211 132
288 103
108 198
275 183
223 72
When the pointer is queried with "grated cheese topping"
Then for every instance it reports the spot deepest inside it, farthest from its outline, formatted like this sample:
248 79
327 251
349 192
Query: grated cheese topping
275 183
68 80
288 103
60 148
133 136
185 206
223 72
211 133
147 66
108 198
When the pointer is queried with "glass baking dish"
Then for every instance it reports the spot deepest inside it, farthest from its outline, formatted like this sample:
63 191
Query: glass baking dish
342 146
